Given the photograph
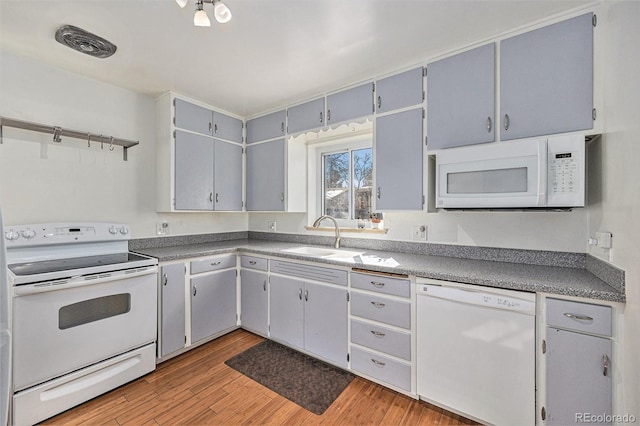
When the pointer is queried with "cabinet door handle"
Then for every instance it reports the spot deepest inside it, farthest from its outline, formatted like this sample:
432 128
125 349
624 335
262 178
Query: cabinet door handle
282 127
328 115
377 284
378 363
306 295
378 305
378 334
210 127
578 316
605 365
379 102
321 117
489 124
264 285
282 197
215 128
211 197
378 193
506 121
217 197
195 290
252 262
216 263
165 279
300 294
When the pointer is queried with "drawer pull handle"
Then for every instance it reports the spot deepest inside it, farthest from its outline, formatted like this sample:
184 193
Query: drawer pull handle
378 305
378 363
377 284
165 279
578 317
605 365
216 263
252 262
378 334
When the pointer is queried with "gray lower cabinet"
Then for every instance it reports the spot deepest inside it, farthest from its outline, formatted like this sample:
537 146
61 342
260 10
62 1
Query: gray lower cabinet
398 161
267 127
306 116
310 316
254 301
399 91
546 80
578 376
461 99
266 176
213 304
350 103
208 173
172 309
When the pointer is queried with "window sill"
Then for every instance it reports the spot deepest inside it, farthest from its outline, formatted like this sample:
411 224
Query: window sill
348 230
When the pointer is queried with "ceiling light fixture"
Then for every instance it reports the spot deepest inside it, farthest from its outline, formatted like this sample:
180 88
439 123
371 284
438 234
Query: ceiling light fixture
200 19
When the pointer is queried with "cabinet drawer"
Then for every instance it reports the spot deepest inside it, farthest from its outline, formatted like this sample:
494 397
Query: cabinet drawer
212 264
394 312
579 316
382 339
318 273
381 284
381 367
253 262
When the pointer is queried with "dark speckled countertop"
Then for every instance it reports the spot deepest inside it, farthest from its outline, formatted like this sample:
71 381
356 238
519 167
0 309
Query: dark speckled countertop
568 281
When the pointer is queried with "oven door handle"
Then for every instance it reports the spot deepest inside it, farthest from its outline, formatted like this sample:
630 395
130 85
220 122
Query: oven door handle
82 281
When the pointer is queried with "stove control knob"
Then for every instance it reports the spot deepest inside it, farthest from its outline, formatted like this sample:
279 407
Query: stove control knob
124 230
113 230
28 233
11 235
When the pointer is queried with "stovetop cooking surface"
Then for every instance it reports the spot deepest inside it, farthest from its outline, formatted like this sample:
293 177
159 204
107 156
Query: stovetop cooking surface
57 265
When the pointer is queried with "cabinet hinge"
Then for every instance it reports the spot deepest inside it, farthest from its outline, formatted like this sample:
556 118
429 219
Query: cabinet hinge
243 150
373 86
423 113
242 203
174 101
174 134
544 346
424 71
174 121
594 114
423 96
347 296
237 318
423 200
543 414
594 20
185 269
347 356
236 272
425 140
185 339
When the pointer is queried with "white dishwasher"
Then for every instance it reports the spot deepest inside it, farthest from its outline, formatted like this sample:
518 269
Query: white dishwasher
476 351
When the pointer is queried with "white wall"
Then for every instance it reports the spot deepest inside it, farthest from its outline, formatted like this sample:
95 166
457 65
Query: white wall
73 182
618 207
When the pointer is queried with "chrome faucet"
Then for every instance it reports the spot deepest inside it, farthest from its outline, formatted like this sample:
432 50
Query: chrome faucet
323 217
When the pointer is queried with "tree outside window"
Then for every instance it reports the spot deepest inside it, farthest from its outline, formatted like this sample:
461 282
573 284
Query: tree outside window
347 183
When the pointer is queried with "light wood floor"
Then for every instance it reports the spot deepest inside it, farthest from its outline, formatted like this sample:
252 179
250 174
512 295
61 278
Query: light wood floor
197 388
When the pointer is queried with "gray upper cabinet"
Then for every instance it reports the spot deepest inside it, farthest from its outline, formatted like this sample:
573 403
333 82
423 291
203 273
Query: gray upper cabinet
266 176
227 177
193 171
349 104
546 80
268 126
307 116
193 117
398 161
226 127
172 323
461 99
399 91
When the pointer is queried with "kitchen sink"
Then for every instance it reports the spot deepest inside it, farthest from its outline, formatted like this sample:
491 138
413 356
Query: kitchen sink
324 253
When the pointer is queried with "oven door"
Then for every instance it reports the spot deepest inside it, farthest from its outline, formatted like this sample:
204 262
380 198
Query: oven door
502 175
60 327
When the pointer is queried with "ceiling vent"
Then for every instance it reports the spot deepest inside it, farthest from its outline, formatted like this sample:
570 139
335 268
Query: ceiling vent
85 42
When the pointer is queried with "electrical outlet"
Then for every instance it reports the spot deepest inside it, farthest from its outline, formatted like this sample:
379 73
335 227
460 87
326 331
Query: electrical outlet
162 228
271 226
419 233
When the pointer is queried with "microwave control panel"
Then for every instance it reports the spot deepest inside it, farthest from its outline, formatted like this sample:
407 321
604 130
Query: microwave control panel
564 173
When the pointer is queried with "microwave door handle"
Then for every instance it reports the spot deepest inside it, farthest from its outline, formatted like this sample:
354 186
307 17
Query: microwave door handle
542 174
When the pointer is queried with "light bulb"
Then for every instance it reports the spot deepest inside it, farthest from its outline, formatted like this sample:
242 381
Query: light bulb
200 19
221 12
182 3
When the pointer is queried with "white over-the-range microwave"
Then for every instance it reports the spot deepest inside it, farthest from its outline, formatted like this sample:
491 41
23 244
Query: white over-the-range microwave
529 173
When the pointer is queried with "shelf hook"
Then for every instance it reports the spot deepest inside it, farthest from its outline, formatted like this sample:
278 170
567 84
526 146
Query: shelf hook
111 147
56 134
88 140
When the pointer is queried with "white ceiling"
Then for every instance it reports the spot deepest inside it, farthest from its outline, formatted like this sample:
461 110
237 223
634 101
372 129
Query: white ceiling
272 53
